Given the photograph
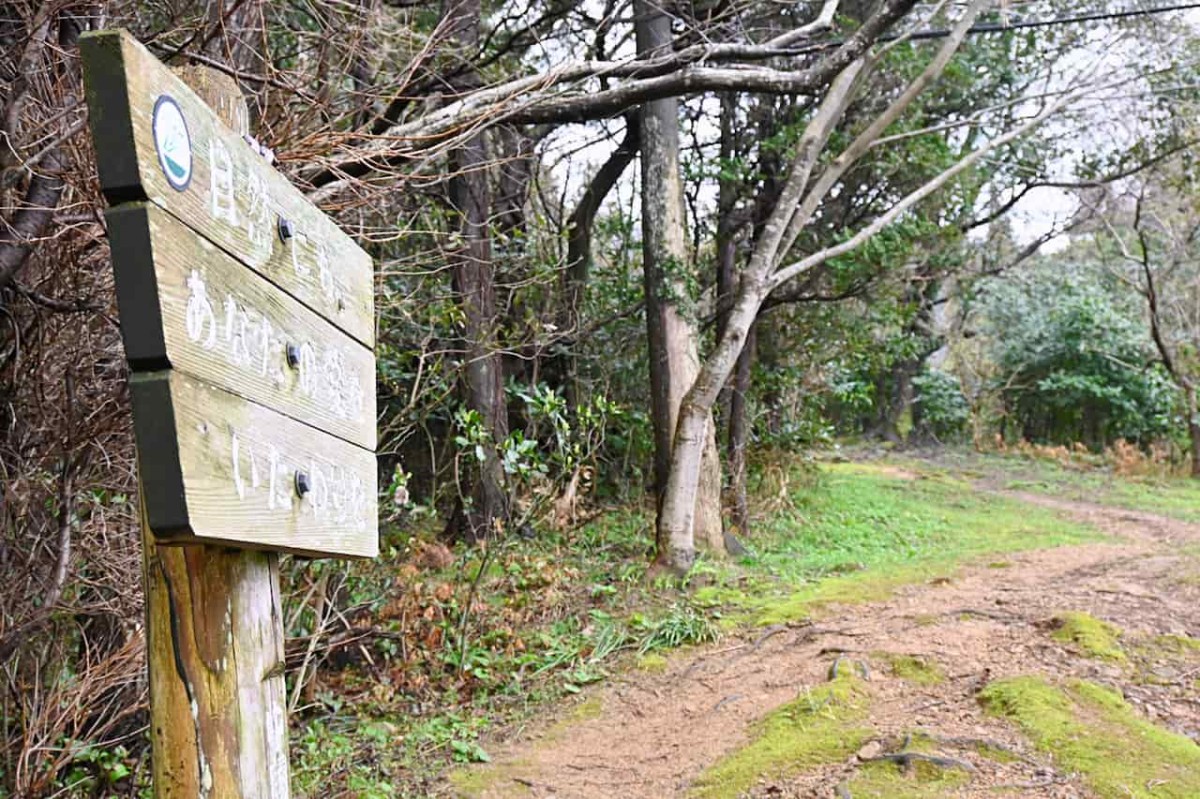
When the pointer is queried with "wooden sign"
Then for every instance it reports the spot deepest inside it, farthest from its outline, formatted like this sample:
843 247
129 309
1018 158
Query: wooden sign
158 141
216 463
247 317
189 306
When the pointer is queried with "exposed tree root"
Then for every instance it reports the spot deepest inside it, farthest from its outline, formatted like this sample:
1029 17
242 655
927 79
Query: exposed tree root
1008 618
859 666
905 759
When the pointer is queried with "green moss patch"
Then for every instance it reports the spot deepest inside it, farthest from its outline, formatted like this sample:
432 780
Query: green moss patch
848 589
1091 730
1091 636
913 668
1176 644
472 781
822 726
652 662
921 781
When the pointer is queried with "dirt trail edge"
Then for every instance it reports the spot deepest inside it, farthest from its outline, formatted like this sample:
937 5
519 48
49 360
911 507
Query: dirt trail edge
655 734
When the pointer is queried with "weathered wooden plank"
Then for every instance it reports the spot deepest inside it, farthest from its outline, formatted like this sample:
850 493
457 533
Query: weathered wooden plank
217 468
159 142
187 305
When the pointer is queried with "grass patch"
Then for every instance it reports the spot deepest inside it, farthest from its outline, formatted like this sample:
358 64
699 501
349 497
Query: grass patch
913 668
1177 497
850 589
859 531
1091 730
472 782
822 726
1091 636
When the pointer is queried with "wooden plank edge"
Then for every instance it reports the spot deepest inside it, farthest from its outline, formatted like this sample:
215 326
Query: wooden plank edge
109 115
159 463
137 287
299 552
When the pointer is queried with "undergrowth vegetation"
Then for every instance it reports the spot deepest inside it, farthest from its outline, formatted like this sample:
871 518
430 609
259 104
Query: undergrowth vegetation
462 641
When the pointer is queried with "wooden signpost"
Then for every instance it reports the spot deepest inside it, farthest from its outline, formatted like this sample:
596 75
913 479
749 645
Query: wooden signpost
248 322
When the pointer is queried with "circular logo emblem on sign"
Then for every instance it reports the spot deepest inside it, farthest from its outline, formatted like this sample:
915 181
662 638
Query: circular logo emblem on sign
173 143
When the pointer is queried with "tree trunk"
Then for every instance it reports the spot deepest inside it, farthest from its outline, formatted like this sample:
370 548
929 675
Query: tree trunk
1193 427
565 365
672 333
900 397
897 398
727 196
486 507
739 434
678 509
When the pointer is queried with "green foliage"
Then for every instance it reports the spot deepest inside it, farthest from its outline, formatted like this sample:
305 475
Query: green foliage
1091 730
1073 357
939 401
683 625
102 771
362 751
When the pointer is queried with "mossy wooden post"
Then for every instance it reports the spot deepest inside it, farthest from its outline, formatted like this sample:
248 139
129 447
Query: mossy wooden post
218 723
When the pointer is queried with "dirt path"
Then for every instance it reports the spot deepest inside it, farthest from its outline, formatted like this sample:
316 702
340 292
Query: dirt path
656 733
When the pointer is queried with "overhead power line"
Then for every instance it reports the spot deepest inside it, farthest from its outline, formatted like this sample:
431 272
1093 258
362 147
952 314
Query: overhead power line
1098 16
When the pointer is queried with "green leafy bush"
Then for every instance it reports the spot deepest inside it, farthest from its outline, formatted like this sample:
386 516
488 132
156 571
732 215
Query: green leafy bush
939 405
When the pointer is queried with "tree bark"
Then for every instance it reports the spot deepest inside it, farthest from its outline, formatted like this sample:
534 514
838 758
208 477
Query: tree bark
672 333
739 435
1194 429
733 397
473 277
727 196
